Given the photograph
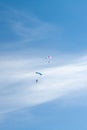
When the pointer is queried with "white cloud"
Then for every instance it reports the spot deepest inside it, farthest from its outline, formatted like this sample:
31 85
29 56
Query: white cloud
18 88
26 30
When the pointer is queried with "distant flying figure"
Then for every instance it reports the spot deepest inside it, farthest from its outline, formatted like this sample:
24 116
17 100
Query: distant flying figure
49 58
39 74
36 80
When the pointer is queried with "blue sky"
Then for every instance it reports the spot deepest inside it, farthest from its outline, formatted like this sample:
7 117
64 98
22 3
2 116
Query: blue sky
30 31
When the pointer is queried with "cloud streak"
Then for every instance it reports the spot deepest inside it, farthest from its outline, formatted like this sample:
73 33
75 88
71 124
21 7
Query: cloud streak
19 90
26 29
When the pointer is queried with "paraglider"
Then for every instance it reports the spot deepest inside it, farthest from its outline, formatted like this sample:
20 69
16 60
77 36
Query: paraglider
38 73
49 58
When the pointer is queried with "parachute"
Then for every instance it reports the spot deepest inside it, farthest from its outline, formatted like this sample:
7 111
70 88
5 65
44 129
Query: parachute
38 73
49 58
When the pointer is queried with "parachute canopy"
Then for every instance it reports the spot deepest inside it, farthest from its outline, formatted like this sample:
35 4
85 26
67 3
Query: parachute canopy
49 57
39 73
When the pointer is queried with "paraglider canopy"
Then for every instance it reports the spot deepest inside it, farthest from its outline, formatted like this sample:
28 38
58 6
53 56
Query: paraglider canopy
49 57
38 73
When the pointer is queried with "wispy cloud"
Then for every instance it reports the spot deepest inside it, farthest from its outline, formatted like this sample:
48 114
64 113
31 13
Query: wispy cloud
27 29
18 88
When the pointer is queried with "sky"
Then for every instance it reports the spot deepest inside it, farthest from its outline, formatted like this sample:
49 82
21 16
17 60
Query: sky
30 31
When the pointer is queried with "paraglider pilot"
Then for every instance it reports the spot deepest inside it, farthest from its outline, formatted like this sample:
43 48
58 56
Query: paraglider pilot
36 80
